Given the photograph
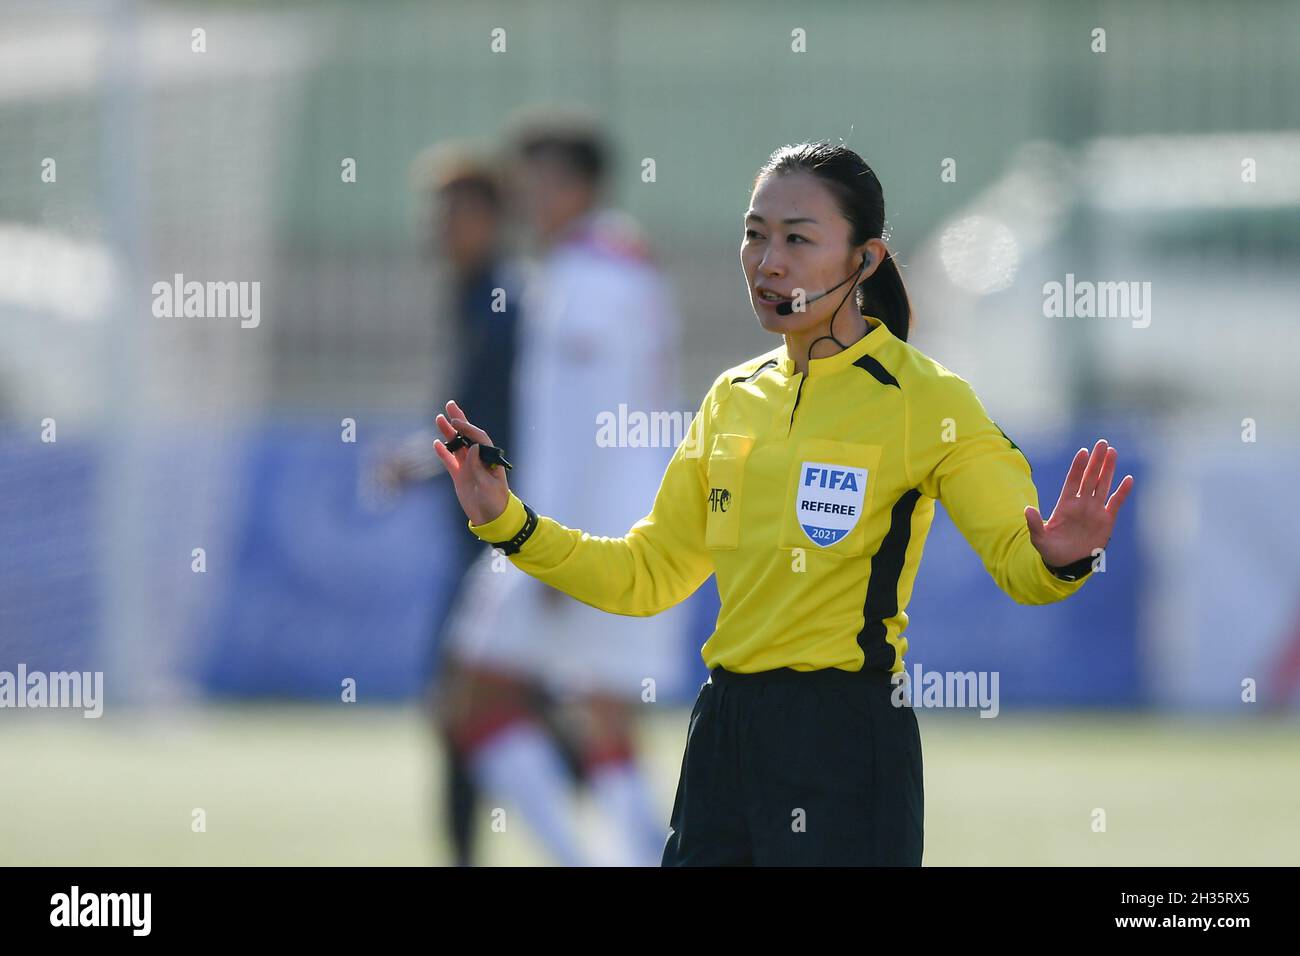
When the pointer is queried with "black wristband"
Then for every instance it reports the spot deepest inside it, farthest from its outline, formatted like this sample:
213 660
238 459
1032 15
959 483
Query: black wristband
514 544
1074 570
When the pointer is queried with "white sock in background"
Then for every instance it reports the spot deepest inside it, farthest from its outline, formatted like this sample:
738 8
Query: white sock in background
521 768
621 793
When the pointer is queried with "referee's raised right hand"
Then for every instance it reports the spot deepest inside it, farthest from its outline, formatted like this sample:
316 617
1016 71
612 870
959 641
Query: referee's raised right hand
482 491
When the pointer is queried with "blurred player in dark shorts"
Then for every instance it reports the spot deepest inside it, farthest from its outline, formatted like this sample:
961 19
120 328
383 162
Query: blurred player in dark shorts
466 208
598 332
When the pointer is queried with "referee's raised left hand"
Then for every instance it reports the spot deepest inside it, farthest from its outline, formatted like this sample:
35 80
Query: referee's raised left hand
481 491
1084 516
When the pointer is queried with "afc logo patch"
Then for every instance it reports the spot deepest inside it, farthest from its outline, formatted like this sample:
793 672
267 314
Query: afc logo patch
829 500
719 499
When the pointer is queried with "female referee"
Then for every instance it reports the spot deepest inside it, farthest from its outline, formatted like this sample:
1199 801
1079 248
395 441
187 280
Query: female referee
807 484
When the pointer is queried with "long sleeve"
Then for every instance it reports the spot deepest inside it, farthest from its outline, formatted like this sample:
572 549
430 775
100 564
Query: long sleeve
661 560
961 457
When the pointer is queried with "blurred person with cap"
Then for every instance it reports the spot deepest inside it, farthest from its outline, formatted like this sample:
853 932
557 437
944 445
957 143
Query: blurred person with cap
599 330
466 200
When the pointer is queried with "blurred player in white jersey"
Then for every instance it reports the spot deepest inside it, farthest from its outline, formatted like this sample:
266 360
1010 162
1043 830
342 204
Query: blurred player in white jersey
598 330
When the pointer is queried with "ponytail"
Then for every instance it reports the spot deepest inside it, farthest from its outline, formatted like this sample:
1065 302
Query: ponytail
883 295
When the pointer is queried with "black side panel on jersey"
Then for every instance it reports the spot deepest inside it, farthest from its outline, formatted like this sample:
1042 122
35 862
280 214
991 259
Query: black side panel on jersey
881 601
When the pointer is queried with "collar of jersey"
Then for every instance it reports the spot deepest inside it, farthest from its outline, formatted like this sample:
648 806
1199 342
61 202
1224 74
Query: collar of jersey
843 359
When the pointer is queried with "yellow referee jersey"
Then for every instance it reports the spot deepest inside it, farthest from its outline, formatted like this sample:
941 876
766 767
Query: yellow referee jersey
810 497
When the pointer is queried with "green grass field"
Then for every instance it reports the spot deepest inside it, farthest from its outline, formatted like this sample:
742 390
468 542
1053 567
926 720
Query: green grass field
334 785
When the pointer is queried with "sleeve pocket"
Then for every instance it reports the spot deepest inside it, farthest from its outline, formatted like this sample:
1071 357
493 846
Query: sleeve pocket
726 471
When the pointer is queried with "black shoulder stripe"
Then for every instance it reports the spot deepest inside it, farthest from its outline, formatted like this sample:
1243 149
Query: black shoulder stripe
878 371
1016 447
754 374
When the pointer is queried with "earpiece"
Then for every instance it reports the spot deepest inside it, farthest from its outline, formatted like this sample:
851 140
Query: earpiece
866 261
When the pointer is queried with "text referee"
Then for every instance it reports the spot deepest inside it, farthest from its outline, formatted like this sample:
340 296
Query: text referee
807 484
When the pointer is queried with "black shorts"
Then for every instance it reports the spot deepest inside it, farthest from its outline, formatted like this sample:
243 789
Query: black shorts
799 768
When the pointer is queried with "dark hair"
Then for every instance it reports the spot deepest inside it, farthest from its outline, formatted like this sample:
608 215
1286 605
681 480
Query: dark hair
861 199
482 187
572 139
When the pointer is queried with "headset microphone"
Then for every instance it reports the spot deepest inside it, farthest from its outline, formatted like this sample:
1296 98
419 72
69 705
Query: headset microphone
785 308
